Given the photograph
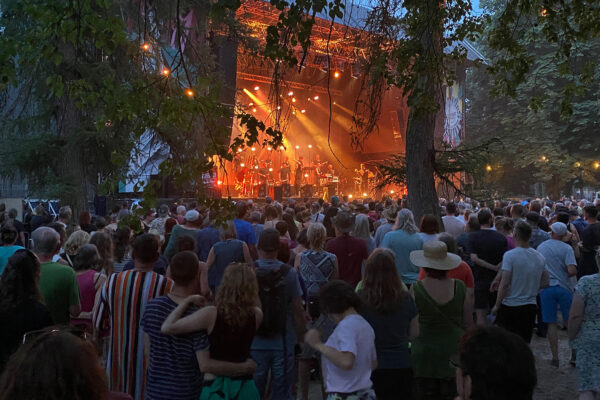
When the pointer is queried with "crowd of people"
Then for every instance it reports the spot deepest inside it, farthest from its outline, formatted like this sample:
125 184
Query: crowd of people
355 296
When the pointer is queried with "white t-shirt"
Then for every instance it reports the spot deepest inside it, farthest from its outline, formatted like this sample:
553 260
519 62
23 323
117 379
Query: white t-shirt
527 266
453 225
355 335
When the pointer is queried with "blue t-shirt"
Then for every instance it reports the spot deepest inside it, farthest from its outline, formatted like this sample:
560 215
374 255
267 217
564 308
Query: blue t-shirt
205 240
558 256
402 243
245 231
6 252
225 252
293 290
173 371
527 266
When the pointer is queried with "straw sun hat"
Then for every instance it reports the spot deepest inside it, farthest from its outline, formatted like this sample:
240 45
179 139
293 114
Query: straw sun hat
435 256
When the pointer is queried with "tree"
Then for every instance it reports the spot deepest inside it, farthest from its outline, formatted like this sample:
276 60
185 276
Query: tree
548 126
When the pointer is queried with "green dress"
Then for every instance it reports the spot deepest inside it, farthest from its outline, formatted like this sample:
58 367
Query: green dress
440 329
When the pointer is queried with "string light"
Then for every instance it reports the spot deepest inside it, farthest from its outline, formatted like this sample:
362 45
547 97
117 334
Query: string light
306 175
293 99
250 104
290 93
297 147
488 168
256 88
254 110
280 147
239 150
256 167
189 92
336 74
269 148
316 98
279 107
166 72
242 165
146 46
270 169
596 165
544 12
544 158
219 183
349 196
577 164
310 146
303 111
254 149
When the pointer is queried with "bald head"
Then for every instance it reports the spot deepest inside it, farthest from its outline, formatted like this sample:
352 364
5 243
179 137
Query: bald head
45 241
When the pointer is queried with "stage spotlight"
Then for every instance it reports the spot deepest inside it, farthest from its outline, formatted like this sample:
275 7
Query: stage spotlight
316 98
239 150
256 88
219 183
281 148
279 107
290 93
306 175
254 110
310 146
364 195
336 74
270 169
250 104
297 147
302 111
242 165
254 149
256 167
269 148
293 99
391 191
349 196
294 112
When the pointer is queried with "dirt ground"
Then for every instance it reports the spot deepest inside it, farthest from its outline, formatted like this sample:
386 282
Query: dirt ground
553 383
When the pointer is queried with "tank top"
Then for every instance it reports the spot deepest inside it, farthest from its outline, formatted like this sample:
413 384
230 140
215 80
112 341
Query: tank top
232 344
87 296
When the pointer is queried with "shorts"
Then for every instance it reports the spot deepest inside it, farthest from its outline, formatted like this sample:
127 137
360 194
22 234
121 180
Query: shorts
551 299
484 299
365 394
518 319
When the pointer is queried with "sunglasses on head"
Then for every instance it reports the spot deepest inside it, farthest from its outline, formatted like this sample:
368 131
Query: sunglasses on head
33 335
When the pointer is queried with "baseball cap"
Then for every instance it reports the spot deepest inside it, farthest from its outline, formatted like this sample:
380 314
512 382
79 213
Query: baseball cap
558 228
192 215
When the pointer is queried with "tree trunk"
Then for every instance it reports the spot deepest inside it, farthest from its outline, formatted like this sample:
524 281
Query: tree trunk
420 150
74 180
420 156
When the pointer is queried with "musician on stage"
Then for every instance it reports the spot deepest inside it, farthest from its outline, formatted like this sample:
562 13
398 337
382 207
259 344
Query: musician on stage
298 173
285 170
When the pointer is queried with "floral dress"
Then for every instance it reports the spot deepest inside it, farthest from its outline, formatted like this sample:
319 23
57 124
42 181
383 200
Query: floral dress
587 342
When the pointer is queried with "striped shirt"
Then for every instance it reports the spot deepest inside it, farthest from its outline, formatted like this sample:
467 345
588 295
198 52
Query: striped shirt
125 295
173 371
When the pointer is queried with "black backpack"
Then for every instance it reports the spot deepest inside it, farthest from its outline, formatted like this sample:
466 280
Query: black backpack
271 290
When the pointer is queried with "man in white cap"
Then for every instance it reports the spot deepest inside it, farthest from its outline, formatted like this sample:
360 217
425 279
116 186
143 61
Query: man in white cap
191 227
561 266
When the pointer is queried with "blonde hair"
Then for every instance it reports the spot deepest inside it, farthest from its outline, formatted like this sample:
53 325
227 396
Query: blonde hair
361 227
238 294
316 236
75 241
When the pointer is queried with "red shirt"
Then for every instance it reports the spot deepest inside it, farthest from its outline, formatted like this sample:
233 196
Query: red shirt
350 253
462 272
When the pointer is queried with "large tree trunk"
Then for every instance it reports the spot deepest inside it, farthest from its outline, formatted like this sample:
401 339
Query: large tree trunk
71 164
420 151
420 156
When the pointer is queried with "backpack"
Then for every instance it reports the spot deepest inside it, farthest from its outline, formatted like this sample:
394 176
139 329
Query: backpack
271 290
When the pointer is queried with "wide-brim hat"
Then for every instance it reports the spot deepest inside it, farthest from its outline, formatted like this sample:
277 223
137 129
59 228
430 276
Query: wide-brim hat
435 256
390 213
344 221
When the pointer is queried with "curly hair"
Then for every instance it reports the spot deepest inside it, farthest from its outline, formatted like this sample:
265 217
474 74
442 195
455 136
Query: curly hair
104 244
19 280
55 365
381 287
75 241
238 294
